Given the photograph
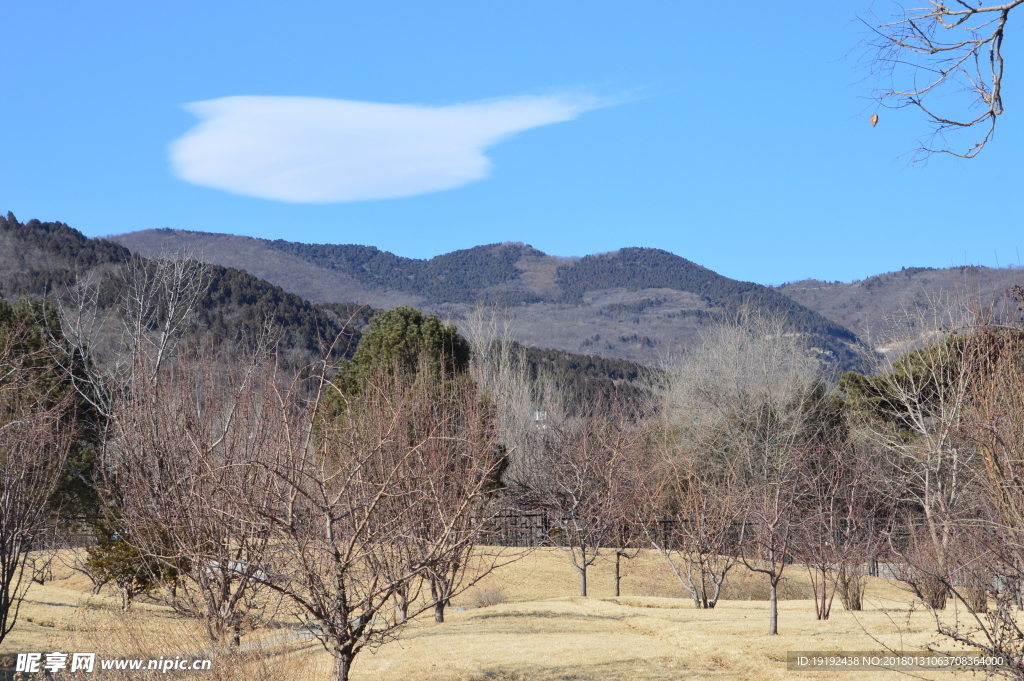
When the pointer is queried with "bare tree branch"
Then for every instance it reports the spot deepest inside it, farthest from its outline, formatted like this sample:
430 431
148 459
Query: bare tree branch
943 56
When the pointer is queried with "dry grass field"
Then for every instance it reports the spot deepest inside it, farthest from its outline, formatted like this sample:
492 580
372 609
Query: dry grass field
520 623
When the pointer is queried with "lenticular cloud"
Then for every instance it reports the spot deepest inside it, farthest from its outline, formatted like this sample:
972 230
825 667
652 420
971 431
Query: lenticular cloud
309 150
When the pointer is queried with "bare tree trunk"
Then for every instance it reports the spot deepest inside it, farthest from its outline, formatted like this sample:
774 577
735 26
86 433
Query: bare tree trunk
342 665
773 603
439 591
402 602
583 580
618 576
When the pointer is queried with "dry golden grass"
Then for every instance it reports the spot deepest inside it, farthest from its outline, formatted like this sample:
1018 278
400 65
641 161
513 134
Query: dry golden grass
523 622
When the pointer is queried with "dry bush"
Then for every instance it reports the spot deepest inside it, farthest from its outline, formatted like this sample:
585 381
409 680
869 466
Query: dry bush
658 589
739 585
850 582
485 597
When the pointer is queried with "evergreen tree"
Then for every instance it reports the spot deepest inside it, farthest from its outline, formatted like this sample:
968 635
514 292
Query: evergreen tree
402 338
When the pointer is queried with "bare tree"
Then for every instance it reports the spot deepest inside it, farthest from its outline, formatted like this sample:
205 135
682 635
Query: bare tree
525 407
575 482
177 462
948 55
955 405
630 442
988 578
458 469
344 502
772 514
691 516
747 398
36 428
913 409
112 320
627 535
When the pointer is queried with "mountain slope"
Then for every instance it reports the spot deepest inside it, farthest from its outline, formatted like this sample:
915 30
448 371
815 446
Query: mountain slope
888 306
40 258
639 304
649 268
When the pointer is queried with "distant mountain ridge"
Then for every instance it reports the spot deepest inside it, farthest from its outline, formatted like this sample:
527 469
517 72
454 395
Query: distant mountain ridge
649 268
636 304
639 304
458 277
879 309
39 259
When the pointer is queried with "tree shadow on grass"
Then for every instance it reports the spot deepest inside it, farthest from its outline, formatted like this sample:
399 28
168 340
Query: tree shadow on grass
621 670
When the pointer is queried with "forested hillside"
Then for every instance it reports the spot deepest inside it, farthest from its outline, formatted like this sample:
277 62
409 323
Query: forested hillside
638 304
457 277
41 258
634 269
36 256
593 382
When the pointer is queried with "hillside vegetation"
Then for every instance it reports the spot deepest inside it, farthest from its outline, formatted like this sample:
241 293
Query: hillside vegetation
639 304
458 277
887 306
41 258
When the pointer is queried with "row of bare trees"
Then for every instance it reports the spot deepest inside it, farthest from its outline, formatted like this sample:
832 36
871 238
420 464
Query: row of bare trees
354 519
235 483
744 457
748 458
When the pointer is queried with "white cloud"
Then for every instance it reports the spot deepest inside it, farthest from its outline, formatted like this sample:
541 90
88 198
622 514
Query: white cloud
309 150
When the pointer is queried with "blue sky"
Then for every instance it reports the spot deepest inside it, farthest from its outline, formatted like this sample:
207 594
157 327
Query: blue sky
738 140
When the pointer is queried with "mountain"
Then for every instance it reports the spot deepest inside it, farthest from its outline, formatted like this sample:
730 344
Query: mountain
887 307
42 258
638 304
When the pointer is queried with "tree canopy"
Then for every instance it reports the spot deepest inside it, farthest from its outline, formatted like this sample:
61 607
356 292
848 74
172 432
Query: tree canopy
403 340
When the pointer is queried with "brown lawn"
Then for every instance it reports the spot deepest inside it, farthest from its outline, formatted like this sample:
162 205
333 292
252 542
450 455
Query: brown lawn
523 622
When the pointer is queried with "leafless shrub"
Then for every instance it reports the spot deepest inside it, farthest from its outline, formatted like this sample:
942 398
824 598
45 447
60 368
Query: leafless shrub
851 578
844 498
77 560
485 597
